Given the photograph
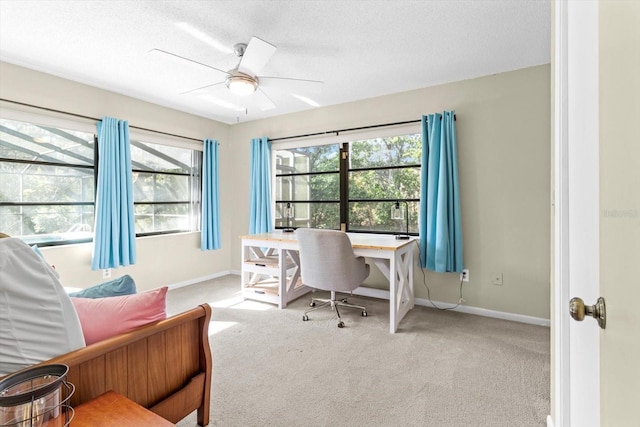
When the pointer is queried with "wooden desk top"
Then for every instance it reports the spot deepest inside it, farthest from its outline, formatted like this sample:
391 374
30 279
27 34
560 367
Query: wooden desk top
112 409
358 240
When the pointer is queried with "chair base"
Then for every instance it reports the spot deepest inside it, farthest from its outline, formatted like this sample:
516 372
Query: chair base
335 303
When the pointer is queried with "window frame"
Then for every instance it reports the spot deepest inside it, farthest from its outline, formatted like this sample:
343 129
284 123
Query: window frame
88 125
195 177
52 121
343 140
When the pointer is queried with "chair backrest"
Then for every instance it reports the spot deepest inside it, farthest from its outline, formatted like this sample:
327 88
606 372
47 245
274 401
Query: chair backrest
327 260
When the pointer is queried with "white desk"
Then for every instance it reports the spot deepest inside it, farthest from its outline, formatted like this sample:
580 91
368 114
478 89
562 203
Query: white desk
271 269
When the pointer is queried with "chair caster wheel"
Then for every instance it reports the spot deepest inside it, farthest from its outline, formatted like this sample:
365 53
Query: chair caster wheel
312 304
364 314
340 324
305 318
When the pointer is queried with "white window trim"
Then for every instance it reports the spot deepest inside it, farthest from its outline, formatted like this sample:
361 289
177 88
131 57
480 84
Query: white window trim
171 141
82 125
372 133
89 126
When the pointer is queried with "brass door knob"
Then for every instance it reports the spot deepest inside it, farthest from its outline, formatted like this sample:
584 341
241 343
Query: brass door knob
578 310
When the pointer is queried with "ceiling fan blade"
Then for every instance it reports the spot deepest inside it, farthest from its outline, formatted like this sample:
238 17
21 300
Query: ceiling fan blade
262 101
226 105
292 85
256 56
220 96
201 88
174 56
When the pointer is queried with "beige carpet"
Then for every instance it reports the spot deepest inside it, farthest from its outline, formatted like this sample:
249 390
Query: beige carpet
441 369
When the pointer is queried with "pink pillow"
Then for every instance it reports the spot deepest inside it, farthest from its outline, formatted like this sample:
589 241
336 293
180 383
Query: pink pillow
102 318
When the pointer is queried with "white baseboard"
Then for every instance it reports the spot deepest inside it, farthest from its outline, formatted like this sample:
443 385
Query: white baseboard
549 421
200 279
384 294
492 313
372 292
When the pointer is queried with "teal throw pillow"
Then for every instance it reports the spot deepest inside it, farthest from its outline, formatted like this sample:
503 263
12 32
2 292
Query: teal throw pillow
117 287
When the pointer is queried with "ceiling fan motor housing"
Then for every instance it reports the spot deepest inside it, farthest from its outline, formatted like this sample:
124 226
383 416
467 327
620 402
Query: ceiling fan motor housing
240 83
239 49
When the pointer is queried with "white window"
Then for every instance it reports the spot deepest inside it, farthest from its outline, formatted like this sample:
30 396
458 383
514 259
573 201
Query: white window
356 182
48 180
166 187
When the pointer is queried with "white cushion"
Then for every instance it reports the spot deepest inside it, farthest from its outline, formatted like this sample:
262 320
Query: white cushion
37 319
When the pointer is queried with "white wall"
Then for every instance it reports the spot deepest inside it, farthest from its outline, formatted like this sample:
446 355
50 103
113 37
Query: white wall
503 137
503 128
161 260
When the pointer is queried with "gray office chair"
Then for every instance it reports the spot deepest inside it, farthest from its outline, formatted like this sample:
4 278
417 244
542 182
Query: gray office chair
327 262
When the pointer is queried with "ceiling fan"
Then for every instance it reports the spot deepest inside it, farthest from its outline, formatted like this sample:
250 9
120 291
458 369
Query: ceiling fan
243 80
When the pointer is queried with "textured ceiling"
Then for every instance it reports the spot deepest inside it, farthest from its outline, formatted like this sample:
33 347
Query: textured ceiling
358 48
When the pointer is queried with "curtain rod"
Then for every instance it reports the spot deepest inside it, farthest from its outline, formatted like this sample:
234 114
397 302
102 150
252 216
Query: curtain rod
337 132
94 118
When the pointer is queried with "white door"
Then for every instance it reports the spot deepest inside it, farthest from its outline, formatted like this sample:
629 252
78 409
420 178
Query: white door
597 211
576 222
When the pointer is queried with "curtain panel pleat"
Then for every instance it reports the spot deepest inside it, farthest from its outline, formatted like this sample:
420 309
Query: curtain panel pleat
210 234
440 220
260 186
114 231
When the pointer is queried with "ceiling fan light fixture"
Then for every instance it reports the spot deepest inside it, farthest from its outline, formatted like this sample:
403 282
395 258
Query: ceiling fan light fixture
241 84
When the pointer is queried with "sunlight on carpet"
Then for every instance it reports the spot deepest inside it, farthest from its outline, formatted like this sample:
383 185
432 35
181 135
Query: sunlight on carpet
239 303
216 326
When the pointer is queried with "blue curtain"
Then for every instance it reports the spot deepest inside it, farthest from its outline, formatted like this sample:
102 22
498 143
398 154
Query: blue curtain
210 235
260 192
114 233
440 223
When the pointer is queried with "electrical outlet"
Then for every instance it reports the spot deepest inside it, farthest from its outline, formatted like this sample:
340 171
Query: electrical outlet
464 276
496 279
106 273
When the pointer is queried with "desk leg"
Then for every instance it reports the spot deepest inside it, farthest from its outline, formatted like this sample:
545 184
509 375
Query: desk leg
401 298
398 269
294 288
244 275
282 279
